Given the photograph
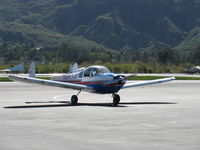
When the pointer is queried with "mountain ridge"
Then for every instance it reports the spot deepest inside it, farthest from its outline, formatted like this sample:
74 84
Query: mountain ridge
113 24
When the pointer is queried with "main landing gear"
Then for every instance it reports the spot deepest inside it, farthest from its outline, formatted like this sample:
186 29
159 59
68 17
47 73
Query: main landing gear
74 98
116 99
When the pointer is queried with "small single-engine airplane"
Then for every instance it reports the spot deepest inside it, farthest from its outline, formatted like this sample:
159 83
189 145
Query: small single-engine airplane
97 79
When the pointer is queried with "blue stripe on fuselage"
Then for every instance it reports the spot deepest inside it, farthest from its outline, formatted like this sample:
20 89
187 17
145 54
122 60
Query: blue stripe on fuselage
102 89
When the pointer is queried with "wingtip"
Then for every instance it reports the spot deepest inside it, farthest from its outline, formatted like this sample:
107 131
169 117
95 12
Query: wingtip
173 78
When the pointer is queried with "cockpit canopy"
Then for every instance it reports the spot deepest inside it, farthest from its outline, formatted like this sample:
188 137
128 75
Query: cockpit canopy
95 70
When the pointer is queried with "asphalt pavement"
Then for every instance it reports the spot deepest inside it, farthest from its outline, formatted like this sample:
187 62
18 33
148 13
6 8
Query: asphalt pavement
164 116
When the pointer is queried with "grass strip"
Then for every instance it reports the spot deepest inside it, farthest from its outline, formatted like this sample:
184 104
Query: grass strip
45 78
5 79
161 77
145 77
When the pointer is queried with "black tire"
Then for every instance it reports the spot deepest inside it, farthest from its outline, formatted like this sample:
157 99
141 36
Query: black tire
116 99
74 99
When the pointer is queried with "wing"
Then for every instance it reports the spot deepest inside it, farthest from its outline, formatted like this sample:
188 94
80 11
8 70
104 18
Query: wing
50 82
128 75
148 82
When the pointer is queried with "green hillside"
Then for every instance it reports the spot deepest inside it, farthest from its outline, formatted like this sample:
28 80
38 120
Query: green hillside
191 41
109 29
113 23
163 32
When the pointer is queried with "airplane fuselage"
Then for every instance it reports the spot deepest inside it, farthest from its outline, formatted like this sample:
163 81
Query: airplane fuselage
102 82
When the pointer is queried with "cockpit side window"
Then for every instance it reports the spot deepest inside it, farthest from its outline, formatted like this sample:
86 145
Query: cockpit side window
80 74
87 72
95 71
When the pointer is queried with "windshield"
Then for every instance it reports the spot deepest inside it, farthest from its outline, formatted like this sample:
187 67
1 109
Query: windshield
103 69
92 71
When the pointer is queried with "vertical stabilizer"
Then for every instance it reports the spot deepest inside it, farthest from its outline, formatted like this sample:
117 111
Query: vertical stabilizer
74 68
32 69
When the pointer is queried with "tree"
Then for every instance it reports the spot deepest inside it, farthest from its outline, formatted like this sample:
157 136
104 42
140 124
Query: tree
165 56
195 56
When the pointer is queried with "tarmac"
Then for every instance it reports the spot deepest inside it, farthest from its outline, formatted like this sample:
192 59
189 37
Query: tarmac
163 116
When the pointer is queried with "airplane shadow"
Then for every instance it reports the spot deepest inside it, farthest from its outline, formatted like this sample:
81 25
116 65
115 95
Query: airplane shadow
68 104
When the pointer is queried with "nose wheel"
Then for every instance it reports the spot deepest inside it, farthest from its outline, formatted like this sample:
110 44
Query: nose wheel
116 99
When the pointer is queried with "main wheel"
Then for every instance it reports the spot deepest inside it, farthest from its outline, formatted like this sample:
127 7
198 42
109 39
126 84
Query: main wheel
74 99
116 99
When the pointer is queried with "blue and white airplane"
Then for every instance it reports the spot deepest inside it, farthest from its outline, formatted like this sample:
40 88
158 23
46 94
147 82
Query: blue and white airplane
97 79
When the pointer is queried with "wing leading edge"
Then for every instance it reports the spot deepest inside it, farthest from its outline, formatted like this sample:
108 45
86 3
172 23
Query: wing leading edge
50 82
148 82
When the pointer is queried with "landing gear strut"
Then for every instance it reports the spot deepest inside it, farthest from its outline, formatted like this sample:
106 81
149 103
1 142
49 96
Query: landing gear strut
116 99
74 98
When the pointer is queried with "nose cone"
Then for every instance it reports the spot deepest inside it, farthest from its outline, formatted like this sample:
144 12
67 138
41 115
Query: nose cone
118 80
122 80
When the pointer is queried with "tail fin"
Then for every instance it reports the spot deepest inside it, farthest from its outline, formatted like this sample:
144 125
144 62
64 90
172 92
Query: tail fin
32 69
74 68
